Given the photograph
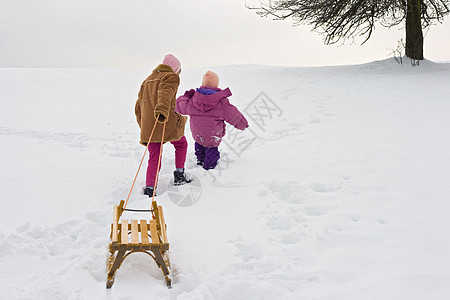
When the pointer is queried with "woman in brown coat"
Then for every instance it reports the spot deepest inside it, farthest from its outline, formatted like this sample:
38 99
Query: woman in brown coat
156 103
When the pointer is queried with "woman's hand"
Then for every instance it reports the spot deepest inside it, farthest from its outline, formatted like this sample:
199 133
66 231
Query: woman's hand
161 118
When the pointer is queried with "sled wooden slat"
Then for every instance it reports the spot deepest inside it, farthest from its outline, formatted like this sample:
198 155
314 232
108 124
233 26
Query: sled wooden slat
144 232
154 233
124 232
134 232
163 225
115 225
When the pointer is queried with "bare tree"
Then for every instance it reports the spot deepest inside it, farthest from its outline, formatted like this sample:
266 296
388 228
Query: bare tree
341 19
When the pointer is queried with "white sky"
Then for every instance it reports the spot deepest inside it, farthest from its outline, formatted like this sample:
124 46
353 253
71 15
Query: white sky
138 33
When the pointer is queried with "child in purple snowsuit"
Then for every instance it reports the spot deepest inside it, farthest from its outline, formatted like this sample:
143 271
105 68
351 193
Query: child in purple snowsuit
208 108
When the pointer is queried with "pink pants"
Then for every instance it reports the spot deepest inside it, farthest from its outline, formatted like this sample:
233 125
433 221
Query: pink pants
153 150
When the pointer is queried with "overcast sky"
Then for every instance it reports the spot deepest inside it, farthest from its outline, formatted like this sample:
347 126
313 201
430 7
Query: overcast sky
138 33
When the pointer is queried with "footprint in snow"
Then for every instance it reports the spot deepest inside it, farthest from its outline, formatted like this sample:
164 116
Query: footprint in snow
288 191
315 121
322 188
315 210
290 239
285 222
248 252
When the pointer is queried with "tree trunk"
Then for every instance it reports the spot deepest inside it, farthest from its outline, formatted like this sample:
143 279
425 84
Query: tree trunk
414 35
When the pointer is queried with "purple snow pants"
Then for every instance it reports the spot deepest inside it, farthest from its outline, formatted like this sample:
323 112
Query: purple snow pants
153 149
208 156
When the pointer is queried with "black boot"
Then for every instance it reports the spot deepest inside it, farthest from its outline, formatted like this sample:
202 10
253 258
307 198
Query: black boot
148 190
179 178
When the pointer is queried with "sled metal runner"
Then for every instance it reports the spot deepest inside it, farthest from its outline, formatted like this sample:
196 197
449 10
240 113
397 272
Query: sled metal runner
147 236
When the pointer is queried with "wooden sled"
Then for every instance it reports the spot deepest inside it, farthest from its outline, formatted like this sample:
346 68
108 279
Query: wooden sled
138 236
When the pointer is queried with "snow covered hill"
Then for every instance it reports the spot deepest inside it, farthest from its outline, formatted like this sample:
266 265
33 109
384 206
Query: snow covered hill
339 189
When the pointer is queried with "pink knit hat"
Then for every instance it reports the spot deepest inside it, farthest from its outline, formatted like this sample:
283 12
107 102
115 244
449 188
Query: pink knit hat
172 62
210 79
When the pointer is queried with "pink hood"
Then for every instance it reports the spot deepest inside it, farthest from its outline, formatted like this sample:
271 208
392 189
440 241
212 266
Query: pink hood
207 102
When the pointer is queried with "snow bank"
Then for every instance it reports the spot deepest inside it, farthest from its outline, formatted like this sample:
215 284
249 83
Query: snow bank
339 190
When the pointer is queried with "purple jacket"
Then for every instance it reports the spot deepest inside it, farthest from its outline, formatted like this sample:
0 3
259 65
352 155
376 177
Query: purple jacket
208 113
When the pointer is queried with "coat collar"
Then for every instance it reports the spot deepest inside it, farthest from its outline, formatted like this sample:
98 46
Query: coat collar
163 68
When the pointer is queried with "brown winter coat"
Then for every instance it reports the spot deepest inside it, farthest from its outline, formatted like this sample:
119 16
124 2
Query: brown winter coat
158 96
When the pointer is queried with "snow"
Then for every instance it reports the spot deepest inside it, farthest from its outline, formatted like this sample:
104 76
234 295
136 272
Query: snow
338 191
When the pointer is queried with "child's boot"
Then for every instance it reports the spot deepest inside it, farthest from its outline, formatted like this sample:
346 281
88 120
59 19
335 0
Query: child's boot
211 157
180 177
200 153
148 190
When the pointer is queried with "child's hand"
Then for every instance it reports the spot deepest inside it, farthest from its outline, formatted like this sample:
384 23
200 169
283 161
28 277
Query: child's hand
189 93
242 124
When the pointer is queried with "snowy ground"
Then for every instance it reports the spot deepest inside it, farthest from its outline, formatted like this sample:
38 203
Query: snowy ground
340 190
